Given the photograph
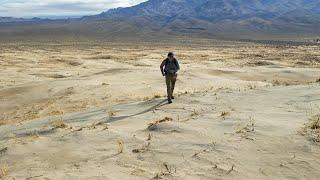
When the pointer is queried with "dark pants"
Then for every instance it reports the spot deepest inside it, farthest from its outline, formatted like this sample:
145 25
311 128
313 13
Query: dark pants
170 81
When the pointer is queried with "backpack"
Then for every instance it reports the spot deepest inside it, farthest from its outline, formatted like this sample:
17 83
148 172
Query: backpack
174 60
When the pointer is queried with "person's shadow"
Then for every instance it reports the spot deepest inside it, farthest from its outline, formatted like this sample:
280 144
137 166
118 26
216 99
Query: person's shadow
159 104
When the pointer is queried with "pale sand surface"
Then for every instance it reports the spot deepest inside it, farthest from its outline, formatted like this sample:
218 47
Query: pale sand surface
238 112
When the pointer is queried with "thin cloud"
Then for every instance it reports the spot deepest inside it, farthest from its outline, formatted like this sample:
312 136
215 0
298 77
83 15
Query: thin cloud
33 8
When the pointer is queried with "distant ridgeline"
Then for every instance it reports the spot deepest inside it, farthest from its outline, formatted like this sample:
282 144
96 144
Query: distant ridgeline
232 19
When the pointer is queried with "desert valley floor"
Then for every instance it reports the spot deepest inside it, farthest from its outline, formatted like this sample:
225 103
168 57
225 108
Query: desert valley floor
98 111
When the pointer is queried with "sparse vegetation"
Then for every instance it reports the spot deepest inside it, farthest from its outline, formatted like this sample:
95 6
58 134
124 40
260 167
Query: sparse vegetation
91 61
194 113
152 126
149 137
4 172
199 152
312 128
102 57
142 149
120 146
58 123
224 114
157 96
32 136
104 93
223 171
2 123
276 83
168 171
281 83
3 150
251 86
260 63
248 127
69 62
111 113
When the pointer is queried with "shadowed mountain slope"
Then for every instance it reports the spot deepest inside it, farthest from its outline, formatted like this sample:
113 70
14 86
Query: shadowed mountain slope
242 19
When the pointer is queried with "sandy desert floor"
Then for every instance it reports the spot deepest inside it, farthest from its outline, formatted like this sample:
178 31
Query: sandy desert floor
98 111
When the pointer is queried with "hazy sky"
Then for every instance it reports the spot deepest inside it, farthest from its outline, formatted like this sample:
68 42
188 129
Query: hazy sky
44 8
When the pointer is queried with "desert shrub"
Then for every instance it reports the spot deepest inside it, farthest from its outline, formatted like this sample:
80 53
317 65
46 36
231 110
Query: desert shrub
58 123
260 63
312 128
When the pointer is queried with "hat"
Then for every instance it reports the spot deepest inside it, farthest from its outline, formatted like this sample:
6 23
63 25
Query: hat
170 54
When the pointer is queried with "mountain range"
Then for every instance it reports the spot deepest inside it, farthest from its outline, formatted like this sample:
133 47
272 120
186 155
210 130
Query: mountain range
249 19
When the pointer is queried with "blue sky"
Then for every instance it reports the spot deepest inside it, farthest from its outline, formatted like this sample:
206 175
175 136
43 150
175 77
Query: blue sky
51 8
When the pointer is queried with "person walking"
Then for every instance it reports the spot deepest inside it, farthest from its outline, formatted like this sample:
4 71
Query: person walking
169 68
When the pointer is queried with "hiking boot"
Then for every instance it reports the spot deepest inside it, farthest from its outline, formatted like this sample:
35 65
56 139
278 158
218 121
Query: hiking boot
172 97
169 101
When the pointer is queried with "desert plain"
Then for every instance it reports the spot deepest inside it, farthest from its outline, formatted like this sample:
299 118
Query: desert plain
97 110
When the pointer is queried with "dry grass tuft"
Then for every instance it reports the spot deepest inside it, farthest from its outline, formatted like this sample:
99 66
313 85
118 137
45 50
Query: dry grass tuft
149 137
249 127
198 153
33 136
280 83
147 98
3 150
168 171
111 113
152 126
156 96
142 149
194 113
120 146
58 123
224 114
4 172
252 86
230 170
95 124
312 128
